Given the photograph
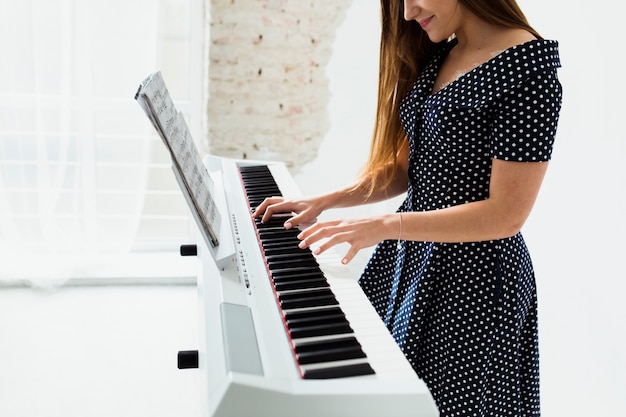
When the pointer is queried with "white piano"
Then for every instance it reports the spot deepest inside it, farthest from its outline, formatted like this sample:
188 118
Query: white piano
274 342
285 334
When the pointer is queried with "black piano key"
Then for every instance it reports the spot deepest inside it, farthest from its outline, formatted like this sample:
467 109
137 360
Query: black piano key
310 264
293 263
329 350
273 234
276 238
298 271
343 371
254 168
272 222
291 272
282 248
286 254
276 253
263 190
323 329
304 294
275 226
284 242
300 284
307 298
318 323
311 316
286 276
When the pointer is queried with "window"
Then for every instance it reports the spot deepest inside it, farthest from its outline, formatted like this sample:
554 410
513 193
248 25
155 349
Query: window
83 176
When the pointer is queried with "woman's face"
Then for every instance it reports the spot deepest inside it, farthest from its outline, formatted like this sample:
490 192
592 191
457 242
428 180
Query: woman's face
439 18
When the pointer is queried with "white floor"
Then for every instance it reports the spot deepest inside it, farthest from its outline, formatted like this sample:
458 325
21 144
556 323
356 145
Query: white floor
97 351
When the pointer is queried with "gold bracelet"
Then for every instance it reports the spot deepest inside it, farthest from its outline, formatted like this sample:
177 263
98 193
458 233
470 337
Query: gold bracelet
400 234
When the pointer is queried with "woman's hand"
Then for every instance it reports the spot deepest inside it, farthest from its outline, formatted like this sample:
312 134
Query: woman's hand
358 233
306 210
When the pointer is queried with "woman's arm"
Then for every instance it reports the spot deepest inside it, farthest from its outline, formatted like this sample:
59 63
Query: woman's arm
512 192
307 209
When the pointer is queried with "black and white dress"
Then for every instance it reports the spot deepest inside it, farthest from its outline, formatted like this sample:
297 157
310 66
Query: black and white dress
465 314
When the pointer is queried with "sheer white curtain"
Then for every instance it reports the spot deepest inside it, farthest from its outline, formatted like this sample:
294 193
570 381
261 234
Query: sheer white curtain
75 150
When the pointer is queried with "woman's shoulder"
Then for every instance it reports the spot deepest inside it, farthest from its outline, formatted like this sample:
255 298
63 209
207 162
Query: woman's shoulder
531 56
505 72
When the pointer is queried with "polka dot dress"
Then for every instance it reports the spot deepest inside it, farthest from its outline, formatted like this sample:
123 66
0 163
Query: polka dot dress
465 314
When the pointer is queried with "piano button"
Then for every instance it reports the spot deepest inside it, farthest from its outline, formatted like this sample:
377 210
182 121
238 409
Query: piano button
328 350
344 371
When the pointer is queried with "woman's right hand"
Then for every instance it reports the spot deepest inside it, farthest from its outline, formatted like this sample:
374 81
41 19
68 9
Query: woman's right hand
305 211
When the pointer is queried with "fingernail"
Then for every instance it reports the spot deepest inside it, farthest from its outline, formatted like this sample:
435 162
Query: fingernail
317 251
344 261
288 226
302 245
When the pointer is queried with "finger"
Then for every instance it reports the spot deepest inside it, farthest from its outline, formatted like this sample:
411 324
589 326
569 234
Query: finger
324 229
307 236
272 209
349 255
302 219
312 234
330 233
262 208
335 240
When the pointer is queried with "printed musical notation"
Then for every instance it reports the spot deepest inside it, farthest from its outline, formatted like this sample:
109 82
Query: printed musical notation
155 100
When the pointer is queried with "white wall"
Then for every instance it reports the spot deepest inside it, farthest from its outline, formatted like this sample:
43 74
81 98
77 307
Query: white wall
576 232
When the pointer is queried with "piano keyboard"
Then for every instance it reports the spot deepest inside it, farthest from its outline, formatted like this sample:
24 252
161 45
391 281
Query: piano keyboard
286 332
318 329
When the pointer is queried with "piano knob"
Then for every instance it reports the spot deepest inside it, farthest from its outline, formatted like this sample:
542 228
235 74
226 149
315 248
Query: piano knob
188 250
187 359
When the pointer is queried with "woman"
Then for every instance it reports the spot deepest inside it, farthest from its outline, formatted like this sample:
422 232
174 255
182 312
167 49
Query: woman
478 100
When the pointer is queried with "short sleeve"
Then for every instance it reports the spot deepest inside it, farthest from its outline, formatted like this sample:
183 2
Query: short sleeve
526 120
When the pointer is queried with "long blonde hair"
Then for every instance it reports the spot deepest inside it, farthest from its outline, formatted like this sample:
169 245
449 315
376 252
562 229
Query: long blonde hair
405 49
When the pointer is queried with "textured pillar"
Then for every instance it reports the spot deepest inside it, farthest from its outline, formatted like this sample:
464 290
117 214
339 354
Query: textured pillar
268 90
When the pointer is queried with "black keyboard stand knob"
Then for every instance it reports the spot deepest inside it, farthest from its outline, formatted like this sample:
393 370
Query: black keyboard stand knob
188 250
187 359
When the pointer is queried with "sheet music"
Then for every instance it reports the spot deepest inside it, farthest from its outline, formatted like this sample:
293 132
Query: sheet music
170 124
